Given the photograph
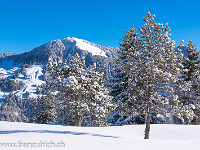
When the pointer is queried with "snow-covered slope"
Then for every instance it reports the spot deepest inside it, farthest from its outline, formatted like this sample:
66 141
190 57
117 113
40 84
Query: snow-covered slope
32 80
84 45
30 76
162 137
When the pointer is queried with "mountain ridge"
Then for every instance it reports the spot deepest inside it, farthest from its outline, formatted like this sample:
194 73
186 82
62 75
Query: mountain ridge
60 49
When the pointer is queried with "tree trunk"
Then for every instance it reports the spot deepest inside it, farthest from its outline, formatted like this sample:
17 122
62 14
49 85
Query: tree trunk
147 129
78 120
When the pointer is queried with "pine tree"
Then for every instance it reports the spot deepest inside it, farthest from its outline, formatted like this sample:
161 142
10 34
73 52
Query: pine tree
13 109
97 98
191 62
192 74
43 110
54 73
75 100
120 88
153 67
119 91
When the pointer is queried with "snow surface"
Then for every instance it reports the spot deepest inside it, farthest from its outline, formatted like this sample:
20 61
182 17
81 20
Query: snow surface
162 137
85 46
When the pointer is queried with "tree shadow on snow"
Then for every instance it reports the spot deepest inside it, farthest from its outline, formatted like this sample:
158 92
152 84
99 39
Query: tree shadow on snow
54 132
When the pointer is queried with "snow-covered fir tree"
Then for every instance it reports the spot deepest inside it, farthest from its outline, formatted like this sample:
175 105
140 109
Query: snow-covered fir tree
82 98
181 88
192 74
54 73
13 109
97 98
119 91
153 66
43 110
191 62
73 90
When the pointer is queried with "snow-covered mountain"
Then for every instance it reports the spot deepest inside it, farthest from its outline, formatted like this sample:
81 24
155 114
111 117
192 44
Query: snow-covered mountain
21 74
60 50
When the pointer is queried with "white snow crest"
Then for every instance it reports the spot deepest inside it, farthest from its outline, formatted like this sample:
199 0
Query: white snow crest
85 46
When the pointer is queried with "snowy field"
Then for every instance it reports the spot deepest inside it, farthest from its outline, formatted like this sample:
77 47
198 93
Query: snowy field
44 137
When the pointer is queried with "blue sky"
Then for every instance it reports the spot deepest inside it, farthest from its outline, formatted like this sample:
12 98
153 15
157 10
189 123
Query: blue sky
25 24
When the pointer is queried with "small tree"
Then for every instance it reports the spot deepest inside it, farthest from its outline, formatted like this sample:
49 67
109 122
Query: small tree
154 68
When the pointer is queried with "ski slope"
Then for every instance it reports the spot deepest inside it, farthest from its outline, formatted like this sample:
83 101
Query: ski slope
33 79
162 137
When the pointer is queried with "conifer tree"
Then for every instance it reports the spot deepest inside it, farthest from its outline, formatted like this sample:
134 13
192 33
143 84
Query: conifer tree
191 63
119 91
192 74
97 98
153 67
54 75
13 109
119 86
43 110
74 83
